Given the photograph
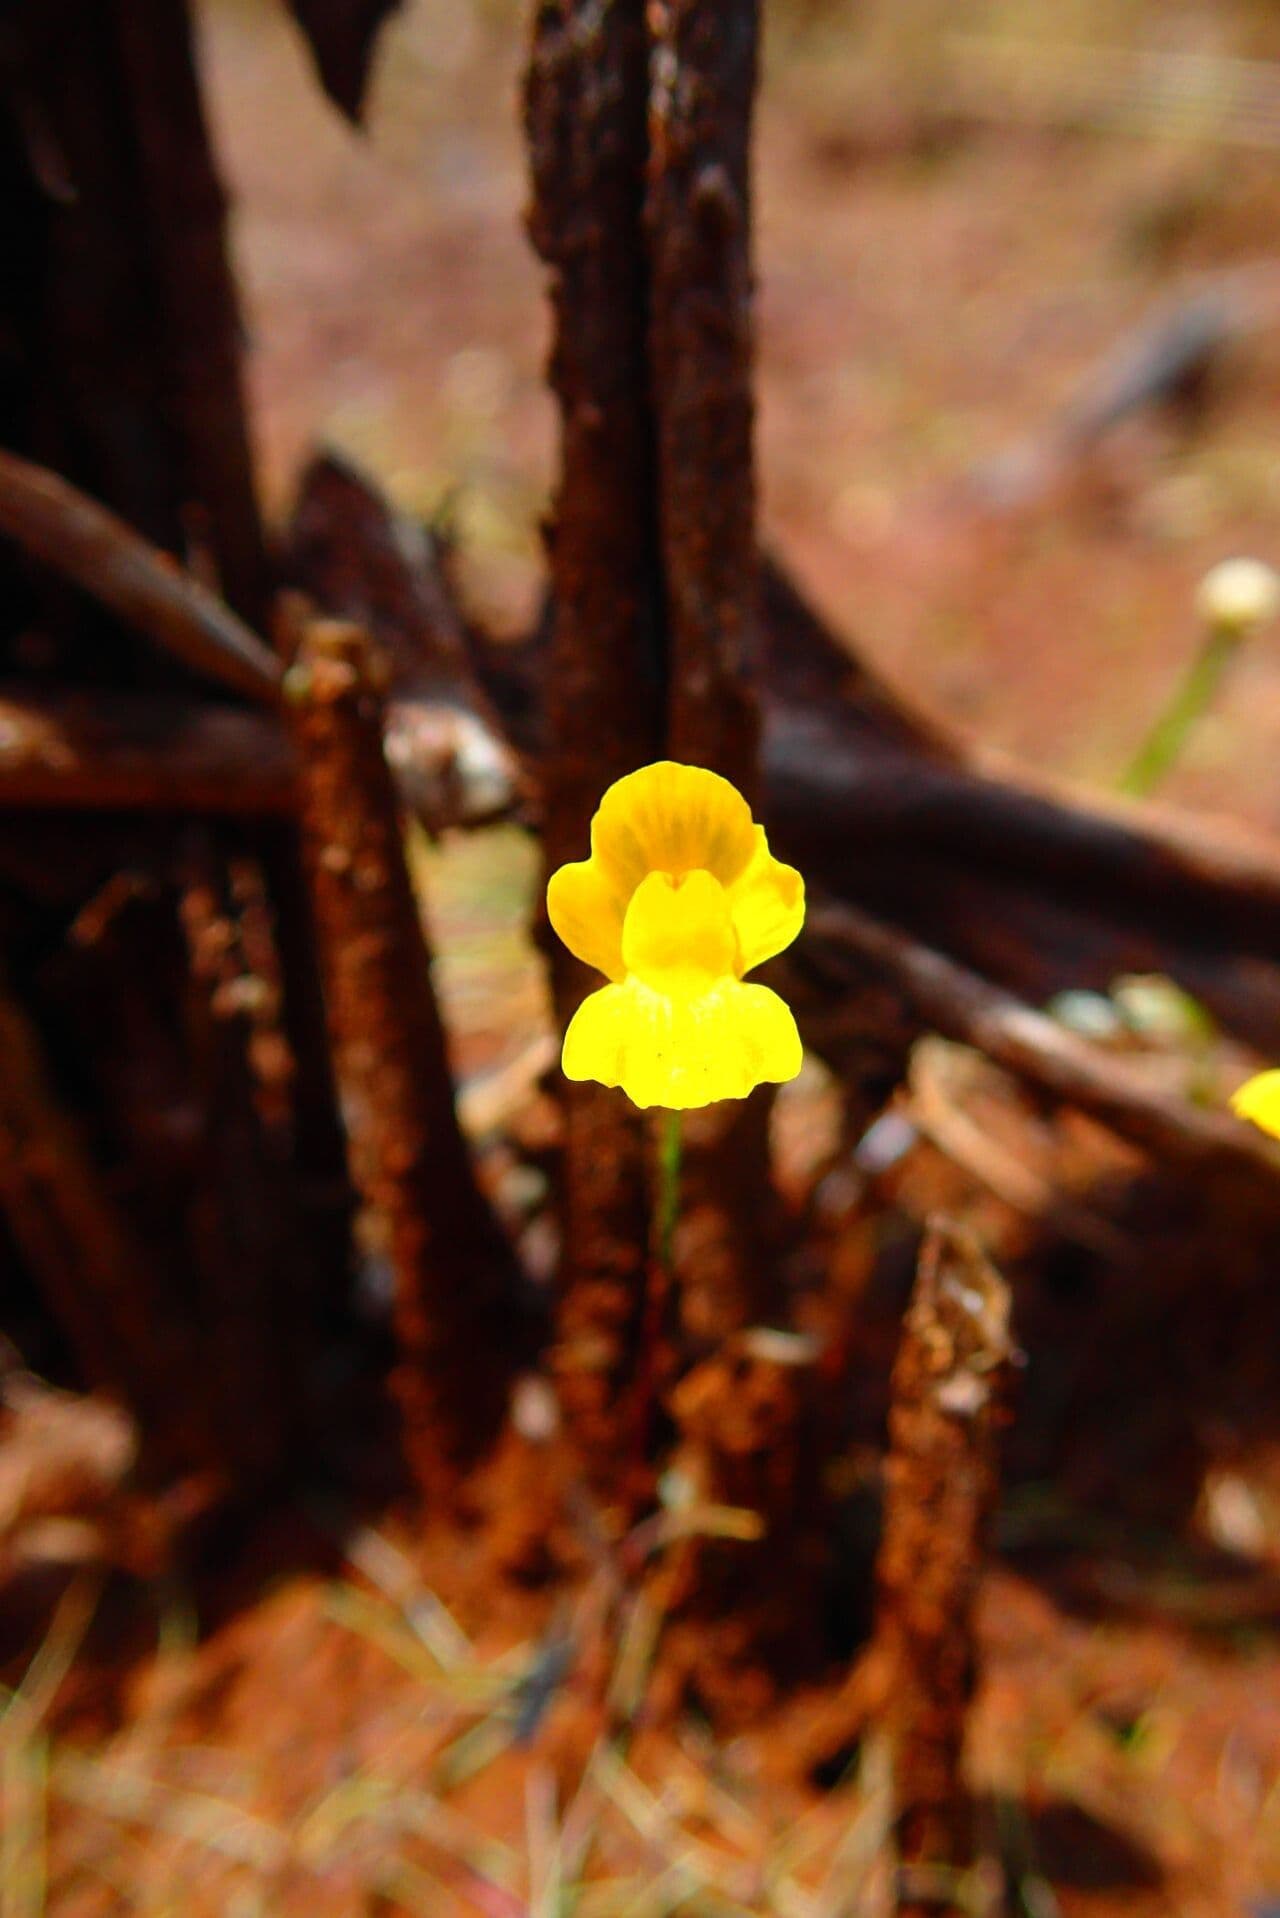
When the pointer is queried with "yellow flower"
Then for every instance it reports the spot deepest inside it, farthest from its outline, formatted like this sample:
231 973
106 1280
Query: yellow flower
1258 1099
680 897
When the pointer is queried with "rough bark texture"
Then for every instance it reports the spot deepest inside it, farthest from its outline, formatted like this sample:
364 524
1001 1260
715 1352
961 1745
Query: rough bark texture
358 559
703 76
98 1280
59 525
126 372
121 370
585 118
119 752
244 1227
452 1273
184 210
748 1438
703 63
949 1385
732 1224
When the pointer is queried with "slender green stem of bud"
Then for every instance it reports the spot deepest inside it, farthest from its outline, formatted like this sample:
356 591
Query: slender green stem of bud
670 1158
1192 698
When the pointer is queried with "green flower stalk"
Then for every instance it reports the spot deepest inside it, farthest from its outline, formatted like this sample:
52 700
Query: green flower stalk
1235 599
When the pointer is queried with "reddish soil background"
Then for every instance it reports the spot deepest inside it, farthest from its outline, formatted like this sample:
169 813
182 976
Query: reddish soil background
941 269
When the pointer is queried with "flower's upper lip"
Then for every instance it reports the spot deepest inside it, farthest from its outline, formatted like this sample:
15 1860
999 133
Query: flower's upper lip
677 821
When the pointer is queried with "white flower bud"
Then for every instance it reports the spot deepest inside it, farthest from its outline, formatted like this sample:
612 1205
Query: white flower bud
1238 595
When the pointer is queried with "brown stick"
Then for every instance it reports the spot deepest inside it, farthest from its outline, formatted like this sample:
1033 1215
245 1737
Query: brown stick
357 558
703 65
453 1274
63 528
961 1005
949 1382
584 110
183 208
698 213
99 1282
243 1225
88 390
119 752
108 751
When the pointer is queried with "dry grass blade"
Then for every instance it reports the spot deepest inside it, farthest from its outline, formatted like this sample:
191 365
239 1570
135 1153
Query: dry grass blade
495 1690
379 1625
215 1824
475 1750
543 1840
392 1573
637 1649
24 1782
26 1707
858 1880
653 1535
702 1867
418 1891
670 1891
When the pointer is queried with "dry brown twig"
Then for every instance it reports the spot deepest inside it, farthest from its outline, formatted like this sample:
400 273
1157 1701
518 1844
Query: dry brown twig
963 1006
584 119
62 527
100 1282
453 1273
949 1386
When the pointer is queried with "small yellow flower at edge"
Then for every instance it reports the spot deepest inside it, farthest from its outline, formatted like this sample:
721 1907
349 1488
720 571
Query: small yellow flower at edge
680 897
1258 1100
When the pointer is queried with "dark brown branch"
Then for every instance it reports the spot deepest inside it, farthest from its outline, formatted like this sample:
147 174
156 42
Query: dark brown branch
243 1224
454 1277
107 751
351 552
703 76
1035 885
702 86
949 1384
63 528
962 1005
585 120
356 558
117 752
98 1280
183 209
124 372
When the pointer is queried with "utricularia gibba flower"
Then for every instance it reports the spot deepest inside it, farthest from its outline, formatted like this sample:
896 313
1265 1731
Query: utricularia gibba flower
680 898
1258 1100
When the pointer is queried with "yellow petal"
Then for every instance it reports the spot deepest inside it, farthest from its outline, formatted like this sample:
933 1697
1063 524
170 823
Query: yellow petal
1258 1099
587 914
767 904
677 936
671 818
680 1053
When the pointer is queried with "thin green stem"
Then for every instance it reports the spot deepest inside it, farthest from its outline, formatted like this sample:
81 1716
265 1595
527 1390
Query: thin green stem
660 1290
670 1158
1192 697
